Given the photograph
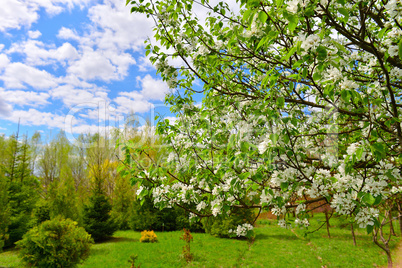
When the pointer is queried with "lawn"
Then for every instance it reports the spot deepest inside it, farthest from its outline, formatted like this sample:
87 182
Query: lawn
273 247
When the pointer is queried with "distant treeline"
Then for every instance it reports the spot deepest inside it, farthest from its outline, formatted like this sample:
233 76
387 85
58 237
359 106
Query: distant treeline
43 180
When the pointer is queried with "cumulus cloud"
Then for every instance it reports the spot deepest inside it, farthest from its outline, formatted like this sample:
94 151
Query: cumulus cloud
5 108
34 34
33 117
25 98
22 13
15 14
4 61
66 33
93 65
71 96
153 89
18 75
118 28
126 105
37 53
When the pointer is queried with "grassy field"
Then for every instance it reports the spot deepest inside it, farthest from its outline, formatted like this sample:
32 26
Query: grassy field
273 247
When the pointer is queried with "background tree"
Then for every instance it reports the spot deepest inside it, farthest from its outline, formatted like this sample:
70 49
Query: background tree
96 217
22 187
4 210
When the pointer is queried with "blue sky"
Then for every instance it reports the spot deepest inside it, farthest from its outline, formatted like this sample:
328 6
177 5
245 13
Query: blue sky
76 65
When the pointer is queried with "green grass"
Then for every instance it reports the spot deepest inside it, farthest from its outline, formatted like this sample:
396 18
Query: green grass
273 247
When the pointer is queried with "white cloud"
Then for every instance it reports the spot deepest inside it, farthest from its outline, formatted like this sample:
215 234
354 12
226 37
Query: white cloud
34 117
37 53
25 98
66 33
126 105
34 34
15 14
119 28
71 96
5 108
145 64
4 61
18 75
153 89
93 65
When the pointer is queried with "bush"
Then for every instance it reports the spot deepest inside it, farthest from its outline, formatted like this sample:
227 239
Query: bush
96 218
147 217
55 243
41 213
148 236
220 225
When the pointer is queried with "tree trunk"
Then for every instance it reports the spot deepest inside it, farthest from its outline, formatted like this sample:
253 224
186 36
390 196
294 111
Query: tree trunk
353 234
400 216
391 224
327 220
389 258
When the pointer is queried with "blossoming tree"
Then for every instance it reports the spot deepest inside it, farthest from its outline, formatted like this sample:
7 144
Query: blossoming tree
302 104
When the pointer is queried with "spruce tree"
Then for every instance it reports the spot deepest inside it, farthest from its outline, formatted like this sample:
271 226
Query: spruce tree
97 220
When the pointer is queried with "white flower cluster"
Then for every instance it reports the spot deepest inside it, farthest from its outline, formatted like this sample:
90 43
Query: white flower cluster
293 5
300 208
394 8
365 217
242 230
303 222
139 190
255 29
265 198
343 203
282 223
310 42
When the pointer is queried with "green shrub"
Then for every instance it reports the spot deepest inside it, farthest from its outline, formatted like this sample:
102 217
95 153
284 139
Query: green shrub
147 217
55 243
22 198
220 225
41 213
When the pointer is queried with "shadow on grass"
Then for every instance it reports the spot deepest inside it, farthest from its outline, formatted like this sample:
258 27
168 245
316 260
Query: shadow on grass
117 240
99 251
275 236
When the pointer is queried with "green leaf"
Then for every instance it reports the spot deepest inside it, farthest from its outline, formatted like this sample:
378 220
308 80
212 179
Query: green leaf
368 199
290 53
359 153
262 42
400 49
244 146
322 53
262 16
376 223
378 200
378 150
369 229
317 76
293 20
284 186
344 12
280 101
382 32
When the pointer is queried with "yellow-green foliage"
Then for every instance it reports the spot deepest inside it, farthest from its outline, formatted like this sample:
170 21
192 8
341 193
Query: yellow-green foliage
148 236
